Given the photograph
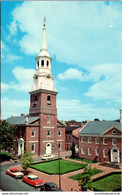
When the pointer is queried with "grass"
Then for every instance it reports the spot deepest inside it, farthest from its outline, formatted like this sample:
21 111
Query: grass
84 160
77 177
109 183
52 167
5 153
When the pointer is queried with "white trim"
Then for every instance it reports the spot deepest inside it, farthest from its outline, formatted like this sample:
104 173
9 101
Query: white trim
33 141
97 140
59 140
48 141
32 151
48 127
89 149
104 153
104 141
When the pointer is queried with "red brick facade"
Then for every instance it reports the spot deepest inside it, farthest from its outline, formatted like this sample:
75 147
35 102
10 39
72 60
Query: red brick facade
103 148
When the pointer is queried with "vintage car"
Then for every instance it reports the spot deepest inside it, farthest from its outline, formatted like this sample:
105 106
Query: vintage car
14 173
49 186
33 180
47 156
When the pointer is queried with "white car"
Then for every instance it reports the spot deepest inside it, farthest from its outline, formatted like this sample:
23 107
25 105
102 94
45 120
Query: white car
47 156
14 173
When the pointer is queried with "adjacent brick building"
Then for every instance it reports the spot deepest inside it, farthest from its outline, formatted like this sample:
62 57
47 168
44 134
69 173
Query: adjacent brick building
101 141
40 131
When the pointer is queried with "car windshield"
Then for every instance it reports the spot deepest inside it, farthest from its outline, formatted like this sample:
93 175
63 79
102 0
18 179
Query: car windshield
35 178
14 171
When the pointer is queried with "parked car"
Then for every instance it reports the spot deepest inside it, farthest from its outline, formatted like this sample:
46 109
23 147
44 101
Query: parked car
47 156
49 186
33 180
14 173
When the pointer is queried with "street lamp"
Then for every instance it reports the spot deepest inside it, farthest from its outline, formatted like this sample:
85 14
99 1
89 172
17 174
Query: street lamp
58 144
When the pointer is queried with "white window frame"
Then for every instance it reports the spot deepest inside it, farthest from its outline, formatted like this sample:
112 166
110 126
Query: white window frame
49 133
97 151
114 130
89 140
97 140
114 141
89 151
32 151
82 150
59 144
33 131
48 119
105 142
82 139
60 132
104 153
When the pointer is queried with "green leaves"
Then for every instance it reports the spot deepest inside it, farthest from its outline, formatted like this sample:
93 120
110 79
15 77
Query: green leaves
6 136
27 159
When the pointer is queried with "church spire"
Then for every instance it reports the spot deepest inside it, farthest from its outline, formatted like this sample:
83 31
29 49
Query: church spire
44 51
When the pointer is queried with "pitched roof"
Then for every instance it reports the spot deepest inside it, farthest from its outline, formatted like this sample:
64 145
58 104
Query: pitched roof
21 120
97 127
70 129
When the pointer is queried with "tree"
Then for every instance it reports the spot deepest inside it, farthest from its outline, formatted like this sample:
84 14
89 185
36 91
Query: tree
27 160
7 136
85 181
73 150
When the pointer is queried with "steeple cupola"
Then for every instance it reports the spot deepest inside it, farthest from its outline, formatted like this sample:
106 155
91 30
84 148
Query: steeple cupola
43 78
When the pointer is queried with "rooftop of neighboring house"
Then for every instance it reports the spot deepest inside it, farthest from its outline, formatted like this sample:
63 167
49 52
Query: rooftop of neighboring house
98 127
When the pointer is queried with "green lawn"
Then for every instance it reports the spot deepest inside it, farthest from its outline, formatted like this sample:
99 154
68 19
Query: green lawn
77 177
52 167
84 160
109 183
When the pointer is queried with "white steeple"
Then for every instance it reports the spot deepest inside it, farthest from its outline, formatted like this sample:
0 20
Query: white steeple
43 78
43 51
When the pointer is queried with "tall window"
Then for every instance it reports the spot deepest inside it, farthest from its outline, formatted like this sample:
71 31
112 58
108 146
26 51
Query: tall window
37 64
47 63
48 99
82 150
114 141
48 119
89 140
32 148
82 139
48 133
33 133
89 151
105 153
35 99
97 140
97 152
42 63
104 141
59 145
59 132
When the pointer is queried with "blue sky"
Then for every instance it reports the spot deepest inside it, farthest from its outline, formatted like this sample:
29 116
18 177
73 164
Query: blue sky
84 39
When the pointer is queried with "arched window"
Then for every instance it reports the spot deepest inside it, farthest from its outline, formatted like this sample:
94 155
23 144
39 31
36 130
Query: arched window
114 132
32 148
47 63
105 153
97 152
37 64
42 63
48 99
48 133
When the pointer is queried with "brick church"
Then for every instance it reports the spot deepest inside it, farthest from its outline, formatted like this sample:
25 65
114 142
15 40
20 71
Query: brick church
40 131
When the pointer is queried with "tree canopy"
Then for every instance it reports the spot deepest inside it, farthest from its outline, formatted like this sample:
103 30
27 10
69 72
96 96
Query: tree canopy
6 136
27 159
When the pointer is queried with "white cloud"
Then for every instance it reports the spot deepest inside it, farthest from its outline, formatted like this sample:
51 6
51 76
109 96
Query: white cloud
74 109
71 73
24 80
7 55
16 107
83 36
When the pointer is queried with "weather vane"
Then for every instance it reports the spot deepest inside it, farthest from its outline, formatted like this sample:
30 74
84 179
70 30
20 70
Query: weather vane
44 19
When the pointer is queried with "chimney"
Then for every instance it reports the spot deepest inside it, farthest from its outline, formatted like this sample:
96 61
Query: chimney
121 115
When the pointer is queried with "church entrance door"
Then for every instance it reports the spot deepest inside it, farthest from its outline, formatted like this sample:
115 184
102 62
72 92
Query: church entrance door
48 148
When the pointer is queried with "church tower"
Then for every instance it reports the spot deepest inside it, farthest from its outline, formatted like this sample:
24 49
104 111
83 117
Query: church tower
43 99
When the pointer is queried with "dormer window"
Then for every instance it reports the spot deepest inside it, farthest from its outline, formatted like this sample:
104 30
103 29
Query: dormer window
48 99
42 63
